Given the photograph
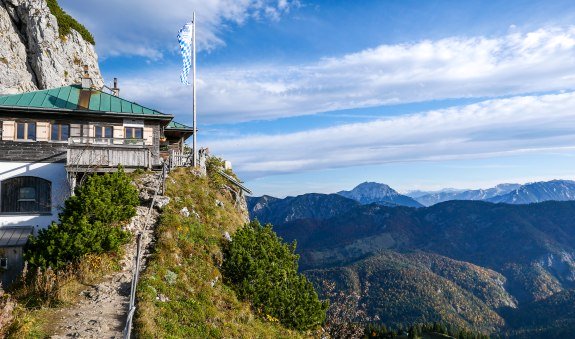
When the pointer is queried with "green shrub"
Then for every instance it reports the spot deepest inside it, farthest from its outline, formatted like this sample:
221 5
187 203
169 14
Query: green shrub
66 23
263 269
89 223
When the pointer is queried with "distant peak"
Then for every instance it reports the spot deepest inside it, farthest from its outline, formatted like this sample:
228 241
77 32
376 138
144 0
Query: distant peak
370 192
372 184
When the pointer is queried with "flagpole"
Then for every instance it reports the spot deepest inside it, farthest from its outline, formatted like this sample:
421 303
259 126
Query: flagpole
194 146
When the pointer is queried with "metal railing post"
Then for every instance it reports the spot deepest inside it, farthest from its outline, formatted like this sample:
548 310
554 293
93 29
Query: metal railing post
135 277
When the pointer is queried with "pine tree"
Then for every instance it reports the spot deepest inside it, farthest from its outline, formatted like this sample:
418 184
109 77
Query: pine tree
263 270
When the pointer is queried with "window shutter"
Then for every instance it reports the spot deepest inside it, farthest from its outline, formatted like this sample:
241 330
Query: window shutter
8 130
75 130
148 136
42 131
90 130
119 132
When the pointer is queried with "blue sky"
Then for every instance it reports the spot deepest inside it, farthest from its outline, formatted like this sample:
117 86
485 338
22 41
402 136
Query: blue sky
318 96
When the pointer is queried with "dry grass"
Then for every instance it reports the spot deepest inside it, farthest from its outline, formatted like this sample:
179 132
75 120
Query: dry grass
42 293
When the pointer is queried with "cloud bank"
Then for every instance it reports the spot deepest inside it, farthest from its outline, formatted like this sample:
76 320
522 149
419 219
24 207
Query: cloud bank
518 63
499 127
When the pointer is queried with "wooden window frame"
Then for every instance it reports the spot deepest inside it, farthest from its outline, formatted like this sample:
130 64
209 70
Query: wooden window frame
60 128
132 134
26 130
102 129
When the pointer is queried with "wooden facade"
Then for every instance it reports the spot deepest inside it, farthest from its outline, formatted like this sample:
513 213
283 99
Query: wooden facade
81 142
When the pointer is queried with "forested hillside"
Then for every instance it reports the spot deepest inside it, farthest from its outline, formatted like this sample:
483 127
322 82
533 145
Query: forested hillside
485 266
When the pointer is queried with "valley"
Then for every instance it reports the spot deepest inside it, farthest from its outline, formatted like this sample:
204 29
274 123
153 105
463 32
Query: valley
491 267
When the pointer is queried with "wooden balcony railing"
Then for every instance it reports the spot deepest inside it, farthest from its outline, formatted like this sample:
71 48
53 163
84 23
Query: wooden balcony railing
105 142
96 156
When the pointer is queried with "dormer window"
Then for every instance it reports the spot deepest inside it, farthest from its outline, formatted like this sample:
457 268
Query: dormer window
26 131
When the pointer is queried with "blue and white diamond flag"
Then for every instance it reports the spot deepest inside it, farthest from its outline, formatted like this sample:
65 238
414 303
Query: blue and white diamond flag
185 40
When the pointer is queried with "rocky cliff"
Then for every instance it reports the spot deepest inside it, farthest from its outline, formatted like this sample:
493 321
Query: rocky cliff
33 54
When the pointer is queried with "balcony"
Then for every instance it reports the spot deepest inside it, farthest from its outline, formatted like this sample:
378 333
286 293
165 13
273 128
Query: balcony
103 154
105 142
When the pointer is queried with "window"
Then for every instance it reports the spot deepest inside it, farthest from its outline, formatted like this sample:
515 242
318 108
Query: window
134 133
25 131
60 132
26 195
4 263
103 131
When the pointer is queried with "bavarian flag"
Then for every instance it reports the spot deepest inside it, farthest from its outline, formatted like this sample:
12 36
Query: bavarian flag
185 41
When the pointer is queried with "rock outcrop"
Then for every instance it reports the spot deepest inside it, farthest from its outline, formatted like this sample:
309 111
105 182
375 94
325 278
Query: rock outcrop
33 55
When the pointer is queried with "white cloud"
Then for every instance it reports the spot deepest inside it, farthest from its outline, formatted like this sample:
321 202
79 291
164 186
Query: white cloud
492 128
149 27
456 67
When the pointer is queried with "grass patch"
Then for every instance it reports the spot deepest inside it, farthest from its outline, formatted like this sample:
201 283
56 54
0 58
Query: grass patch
181 293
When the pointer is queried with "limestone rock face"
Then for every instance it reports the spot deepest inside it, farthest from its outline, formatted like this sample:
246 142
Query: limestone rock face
32 54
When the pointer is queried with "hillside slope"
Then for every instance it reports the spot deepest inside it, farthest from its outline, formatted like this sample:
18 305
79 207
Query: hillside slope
553 317
528 247
307 206
446 290
181 293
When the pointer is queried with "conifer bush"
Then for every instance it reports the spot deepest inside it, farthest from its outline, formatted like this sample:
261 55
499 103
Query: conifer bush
263 269
90 222
66 23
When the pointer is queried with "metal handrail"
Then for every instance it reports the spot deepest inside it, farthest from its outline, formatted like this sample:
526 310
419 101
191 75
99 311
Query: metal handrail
234 181
135 277
136 274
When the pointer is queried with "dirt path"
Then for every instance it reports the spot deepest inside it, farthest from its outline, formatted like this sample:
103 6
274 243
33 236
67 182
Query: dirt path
103 308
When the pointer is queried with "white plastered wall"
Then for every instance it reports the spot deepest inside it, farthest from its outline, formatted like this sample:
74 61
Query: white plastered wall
55 173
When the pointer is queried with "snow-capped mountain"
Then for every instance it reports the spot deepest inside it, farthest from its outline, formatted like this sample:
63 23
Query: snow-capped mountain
480 194
559 190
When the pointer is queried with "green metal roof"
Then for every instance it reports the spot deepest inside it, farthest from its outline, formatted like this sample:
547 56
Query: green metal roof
69 98
177 125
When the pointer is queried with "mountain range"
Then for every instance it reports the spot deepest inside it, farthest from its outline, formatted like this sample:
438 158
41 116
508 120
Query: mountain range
432 198
559 190
372 192
505 268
